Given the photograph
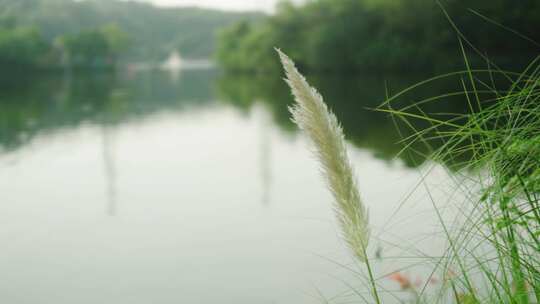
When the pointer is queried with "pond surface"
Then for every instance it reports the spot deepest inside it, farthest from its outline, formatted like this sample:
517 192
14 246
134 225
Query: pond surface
194 187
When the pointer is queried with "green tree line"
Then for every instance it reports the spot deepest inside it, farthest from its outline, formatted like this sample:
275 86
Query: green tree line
98 33
154 32
93 48
20 46
24 47
349 35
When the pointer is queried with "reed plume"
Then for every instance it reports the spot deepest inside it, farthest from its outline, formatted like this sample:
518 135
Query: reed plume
312 115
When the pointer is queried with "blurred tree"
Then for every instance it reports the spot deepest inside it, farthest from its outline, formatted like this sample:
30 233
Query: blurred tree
154 32
117 40
94 48
88 48
21 47
350 35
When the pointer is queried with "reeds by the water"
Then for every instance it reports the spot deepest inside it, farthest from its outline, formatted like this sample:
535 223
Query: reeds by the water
312 115
502 137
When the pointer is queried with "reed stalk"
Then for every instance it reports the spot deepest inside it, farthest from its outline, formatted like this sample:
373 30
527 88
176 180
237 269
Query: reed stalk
312 115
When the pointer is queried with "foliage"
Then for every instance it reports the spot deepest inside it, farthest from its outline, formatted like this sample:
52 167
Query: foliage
154 32
94 48
21 47
493 247
351 35
498 241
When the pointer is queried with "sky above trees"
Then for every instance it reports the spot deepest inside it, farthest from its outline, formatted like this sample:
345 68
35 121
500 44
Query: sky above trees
234 5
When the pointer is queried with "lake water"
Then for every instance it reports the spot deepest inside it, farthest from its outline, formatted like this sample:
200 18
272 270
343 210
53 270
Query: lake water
194 187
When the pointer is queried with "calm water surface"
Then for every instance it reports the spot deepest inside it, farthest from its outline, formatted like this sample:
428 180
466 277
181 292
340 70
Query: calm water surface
191 187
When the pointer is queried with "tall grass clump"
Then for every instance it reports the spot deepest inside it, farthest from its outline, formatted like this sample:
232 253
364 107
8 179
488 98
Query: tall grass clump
493 151
496 146
312 115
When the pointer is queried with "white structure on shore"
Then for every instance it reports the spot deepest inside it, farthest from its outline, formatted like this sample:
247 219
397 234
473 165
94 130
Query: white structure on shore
174 62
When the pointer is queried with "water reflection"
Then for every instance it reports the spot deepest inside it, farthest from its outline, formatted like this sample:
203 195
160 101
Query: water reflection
31 106
44 104
155 189
109 168
265 156
353 99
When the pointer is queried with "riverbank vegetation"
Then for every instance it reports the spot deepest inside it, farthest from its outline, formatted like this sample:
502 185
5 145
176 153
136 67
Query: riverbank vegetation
21 46
24 48
495 253
357 35
492 253
102 33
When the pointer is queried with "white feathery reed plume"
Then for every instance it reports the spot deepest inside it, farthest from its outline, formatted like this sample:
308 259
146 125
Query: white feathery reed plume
312 115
